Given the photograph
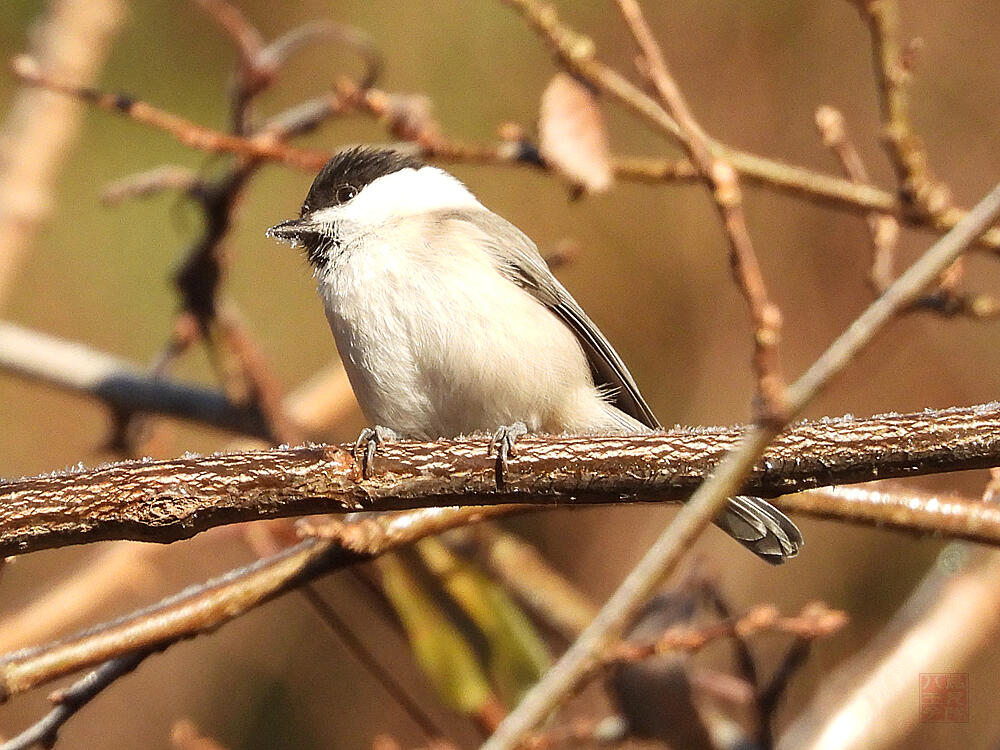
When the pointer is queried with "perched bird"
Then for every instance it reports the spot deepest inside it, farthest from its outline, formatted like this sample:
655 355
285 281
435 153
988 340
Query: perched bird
449 322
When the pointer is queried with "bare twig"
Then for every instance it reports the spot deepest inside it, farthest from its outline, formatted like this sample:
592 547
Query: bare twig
793 180
718 172
882 228
816 620
666 552
366 656
919 511
45 731
920 191
205 607
152 182
576 53
172 499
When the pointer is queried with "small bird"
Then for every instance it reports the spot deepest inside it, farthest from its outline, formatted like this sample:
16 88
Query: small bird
449 323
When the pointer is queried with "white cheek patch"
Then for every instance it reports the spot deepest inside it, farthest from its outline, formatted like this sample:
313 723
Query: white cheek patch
406 192
327 215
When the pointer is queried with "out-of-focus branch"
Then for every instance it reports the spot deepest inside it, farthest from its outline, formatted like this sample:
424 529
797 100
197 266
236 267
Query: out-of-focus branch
116 382
869 702
882 228
172 499
323 401
816 620
72 43
522 571
904 509
205 607
184 735
719 174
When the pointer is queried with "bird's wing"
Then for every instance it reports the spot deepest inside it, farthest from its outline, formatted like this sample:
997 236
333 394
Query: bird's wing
517 258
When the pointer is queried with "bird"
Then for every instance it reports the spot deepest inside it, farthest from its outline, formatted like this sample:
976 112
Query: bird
449 322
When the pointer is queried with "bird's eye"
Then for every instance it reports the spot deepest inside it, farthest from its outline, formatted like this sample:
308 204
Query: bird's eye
345 193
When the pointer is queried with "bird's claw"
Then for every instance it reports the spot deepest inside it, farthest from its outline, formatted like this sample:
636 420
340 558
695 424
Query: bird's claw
367 445
502 442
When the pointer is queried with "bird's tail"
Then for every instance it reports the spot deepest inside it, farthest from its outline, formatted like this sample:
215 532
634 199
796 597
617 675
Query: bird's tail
761 528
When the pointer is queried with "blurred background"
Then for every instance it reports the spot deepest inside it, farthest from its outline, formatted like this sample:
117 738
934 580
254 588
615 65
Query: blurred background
652 272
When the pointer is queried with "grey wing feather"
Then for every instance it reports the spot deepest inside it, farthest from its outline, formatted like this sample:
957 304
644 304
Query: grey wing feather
518 259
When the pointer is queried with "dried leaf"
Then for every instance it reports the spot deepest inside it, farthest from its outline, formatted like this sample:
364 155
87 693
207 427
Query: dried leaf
573 137
439 647
516 656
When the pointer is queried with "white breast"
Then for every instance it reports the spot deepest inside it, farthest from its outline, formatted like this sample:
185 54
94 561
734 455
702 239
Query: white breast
437 343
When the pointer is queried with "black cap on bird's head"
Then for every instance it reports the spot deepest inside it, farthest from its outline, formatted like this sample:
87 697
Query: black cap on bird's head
340 179
347 173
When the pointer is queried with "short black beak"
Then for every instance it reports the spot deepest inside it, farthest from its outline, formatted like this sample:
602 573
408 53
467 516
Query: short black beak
291 231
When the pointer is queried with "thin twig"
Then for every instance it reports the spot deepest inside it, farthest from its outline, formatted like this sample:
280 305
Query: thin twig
882 228
45 731
386 677
576 53
718 172
816 620
920 191
793 180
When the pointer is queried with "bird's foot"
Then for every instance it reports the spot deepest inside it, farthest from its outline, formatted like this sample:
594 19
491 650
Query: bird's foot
503 443
367 445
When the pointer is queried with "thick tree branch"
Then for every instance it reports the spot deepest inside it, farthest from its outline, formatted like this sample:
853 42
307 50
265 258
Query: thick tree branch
167 500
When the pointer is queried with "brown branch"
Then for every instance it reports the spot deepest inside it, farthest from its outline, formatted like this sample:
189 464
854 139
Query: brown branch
727 478
796 181
188 133
174 499
205 607
45 731
905 510
920 191
718 172
882 228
